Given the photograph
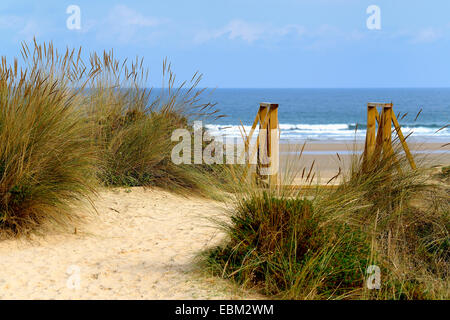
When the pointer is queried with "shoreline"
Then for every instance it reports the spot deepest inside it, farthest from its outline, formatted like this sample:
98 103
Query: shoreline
327 162
347 145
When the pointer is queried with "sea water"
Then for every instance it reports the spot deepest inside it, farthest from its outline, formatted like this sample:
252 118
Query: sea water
333 114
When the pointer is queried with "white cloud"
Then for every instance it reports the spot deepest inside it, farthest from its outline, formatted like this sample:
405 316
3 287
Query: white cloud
125 16
121 24
290 28
247 31
421 36
30 30
427 35
126 25
21 28
10 21
320 37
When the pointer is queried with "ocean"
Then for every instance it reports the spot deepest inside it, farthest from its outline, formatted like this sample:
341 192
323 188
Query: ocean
333 114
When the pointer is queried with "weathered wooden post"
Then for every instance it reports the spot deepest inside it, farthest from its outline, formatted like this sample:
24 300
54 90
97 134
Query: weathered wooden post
267 144
403 141
382 142
273 142
387 131
370 134
262 143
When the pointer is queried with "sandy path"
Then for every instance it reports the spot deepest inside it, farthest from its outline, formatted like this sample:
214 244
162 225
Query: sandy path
141 246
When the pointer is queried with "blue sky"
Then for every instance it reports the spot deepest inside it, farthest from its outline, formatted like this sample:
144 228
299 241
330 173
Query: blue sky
246 43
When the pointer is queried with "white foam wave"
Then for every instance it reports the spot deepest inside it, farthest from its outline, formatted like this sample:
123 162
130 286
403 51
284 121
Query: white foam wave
320 131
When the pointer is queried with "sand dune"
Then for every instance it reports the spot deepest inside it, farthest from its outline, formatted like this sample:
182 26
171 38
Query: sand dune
141 245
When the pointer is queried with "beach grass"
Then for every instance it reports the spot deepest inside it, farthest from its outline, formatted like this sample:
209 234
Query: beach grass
289 246
132 128
47 162
68 127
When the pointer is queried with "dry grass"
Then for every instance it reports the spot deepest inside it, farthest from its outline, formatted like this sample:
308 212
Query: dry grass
58 138
132 129
65 126
288 247
46 158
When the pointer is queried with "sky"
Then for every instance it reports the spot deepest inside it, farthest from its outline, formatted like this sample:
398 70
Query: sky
252 44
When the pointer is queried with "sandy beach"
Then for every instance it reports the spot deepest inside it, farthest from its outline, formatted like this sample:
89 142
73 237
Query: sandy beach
180 151
327 162
141 245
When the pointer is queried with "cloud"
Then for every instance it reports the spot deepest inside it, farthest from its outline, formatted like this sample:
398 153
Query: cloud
320 37
22 28
421 36
247 31
10 21
426 35
126 25
289 29
119 25
125 16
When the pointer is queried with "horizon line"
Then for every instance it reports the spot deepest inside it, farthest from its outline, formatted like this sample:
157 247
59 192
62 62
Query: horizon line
213 88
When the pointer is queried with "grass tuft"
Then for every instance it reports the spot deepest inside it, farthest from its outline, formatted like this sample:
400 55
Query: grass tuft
46 159
65 126
132 129
290 246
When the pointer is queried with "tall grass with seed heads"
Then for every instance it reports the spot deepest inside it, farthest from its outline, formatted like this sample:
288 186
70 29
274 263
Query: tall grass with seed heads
288 245
47 161
132 128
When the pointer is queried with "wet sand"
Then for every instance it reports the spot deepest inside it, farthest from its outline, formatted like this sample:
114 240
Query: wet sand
328 157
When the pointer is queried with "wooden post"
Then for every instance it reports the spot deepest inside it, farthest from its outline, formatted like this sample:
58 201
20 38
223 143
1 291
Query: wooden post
273 150
267 144
403 141
381 143
247 139
370 133
262 148
263 122
387 131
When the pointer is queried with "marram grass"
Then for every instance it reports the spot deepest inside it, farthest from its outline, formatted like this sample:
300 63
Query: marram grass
289 246
132 129
46 157
67 127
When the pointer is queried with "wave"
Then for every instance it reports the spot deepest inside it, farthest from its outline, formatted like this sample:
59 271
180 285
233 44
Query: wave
411 126
329 131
